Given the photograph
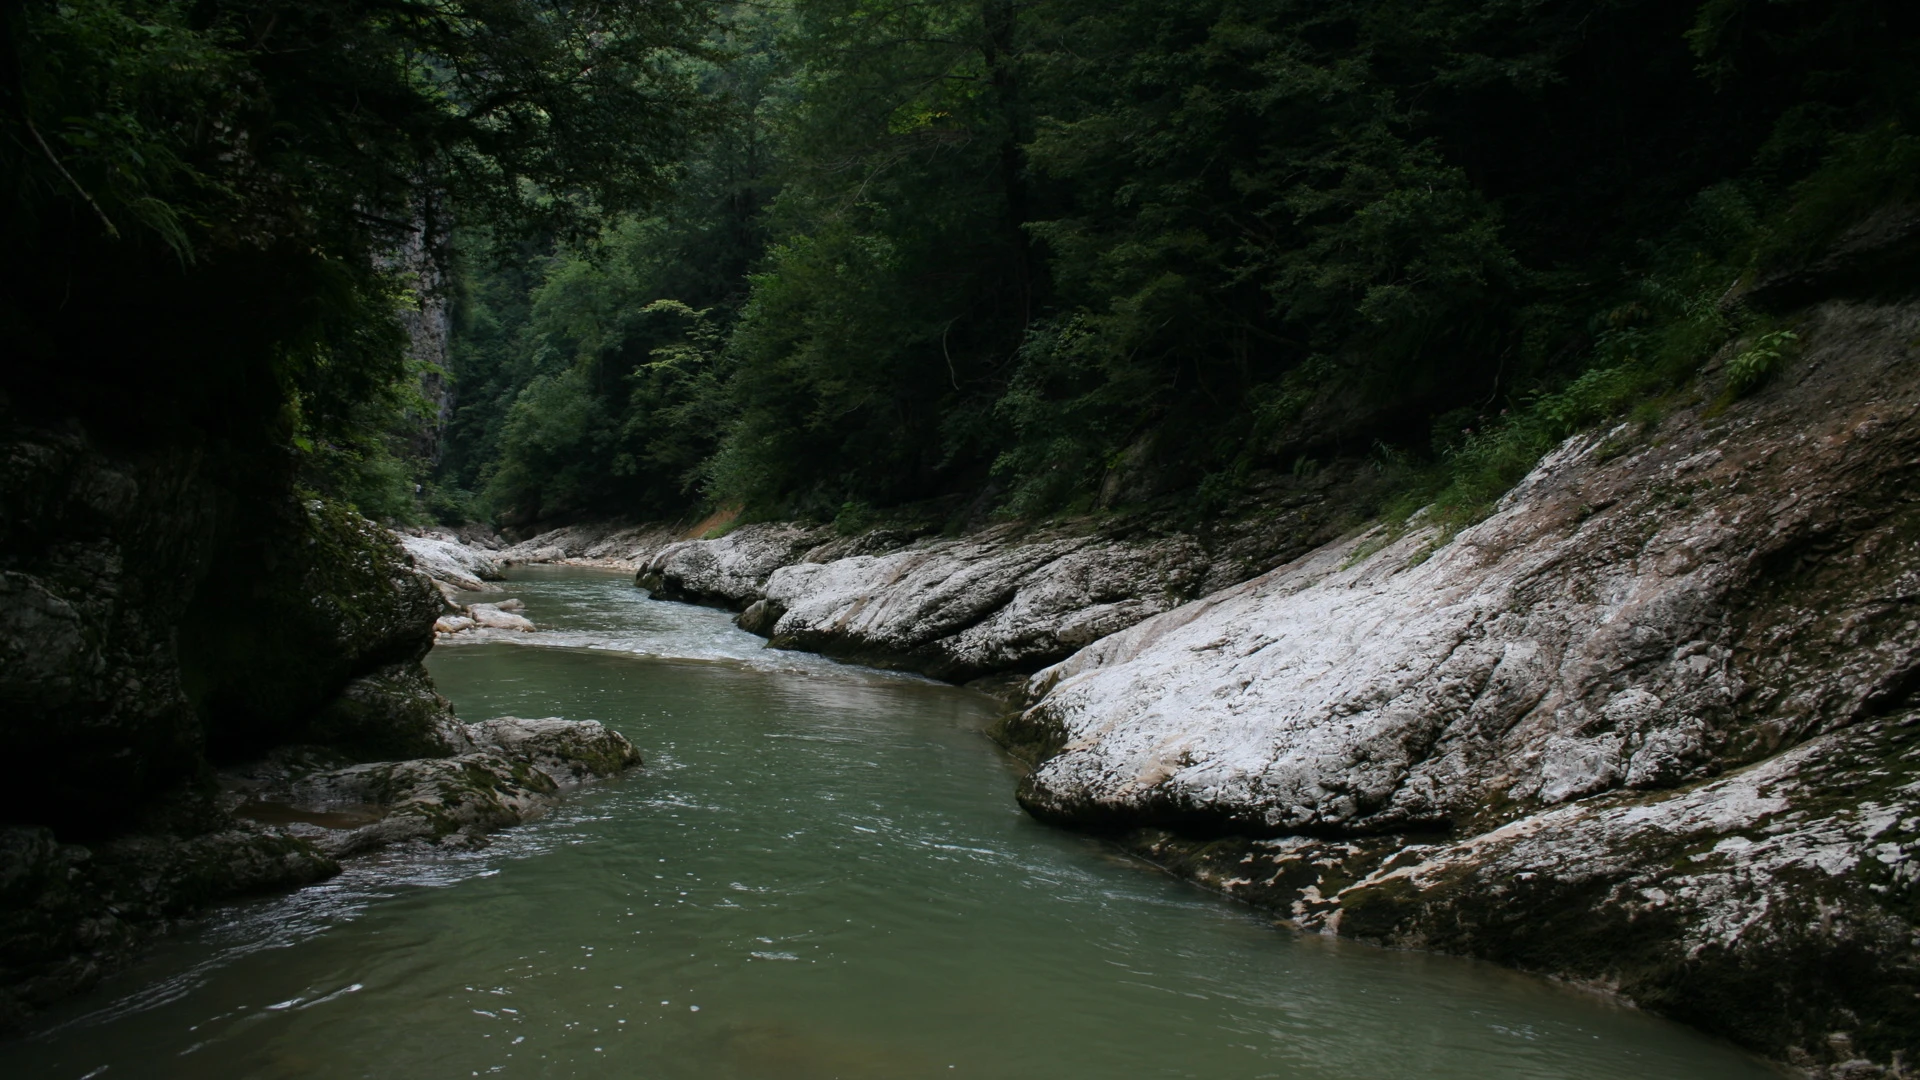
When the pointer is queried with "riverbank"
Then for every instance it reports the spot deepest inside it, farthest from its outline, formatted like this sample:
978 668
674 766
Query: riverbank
822 859
986 607
1646 728
258 668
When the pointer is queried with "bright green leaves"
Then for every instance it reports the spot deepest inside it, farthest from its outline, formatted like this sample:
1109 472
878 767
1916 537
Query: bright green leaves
1751 366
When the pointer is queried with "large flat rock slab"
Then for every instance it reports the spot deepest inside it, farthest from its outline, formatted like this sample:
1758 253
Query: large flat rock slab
1645 608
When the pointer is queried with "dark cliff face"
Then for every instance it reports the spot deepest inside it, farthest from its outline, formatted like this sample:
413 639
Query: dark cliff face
305 596
99 558
168 607
154 621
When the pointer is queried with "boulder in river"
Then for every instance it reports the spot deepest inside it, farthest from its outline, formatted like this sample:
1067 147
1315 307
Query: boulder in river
507 771
495 617
568 751
390 713
459 565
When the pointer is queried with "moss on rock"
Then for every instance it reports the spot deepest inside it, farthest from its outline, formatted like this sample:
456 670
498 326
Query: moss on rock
316 597
390 714
69 913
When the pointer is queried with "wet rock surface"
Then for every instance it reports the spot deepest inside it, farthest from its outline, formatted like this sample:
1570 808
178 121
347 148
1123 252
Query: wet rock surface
1773 904
496 617
165 610
506 771
70 913
1643 727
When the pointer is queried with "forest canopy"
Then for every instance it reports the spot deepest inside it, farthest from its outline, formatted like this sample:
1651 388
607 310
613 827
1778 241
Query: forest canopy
1060 253
829 257
209 197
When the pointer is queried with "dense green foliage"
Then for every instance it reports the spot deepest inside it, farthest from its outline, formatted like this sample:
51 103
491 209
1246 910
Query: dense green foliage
207 198
1060 252
819 256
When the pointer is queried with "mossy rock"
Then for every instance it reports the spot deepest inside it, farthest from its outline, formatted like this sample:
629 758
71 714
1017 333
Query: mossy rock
567 750
69 914
316 597
391 714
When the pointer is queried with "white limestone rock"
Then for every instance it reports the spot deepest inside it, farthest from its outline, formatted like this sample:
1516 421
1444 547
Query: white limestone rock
730 571
1598 631
1652 726
1603 628
495 617
451 562
962 608
618 546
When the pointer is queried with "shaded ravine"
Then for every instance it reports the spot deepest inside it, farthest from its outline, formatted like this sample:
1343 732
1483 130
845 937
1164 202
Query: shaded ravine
820 873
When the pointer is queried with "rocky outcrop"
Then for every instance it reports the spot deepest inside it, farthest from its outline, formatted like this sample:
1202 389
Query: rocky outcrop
98 557
313 598
393 712
70 912
450 563
1008 598
731 571
620 546
1765 905
1005 599
508 770
1874 258
997 601
165 611
1646 726
144 617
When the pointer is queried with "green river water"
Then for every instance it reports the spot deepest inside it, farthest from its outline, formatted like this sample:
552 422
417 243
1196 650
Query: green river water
820 872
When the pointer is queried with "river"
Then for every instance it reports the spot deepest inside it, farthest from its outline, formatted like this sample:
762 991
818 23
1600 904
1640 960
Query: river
820 873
